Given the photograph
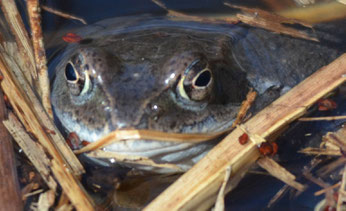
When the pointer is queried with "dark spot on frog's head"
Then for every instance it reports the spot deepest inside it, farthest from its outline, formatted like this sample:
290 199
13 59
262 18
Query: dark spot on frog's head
91 121
86 41
173 61
173 124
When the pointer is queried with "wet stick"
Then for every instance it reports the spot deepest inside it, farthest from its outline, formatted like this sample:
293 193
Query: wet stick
23 41
33 150
10 195
202 182
31 113
62 14
40 54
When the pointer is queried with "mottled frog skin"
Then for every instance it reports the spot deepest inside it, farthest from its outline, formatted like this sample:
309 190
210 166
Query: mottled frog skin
182 77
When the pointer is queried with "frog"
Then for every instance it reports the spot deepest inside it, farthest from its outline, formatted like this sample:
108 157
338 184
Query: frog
175 77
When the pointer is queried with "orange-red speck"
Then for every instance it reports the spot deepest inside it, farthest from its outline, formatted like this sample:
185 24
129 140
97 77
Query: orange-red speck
85 143
329 208
265 149
73 140
275 148
326 104
72 38
243 139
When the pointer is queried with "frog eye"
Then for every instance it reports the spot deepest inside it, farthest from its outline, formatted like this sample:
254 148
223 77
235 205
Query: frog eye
197 81
79 84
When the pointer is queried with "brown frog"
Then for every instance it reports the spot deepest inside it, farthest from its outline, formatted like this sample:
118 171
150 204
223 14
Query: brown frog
181 77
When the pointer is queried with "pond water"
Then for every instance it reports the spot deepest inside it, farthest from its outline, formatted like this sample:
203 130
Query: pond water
256 190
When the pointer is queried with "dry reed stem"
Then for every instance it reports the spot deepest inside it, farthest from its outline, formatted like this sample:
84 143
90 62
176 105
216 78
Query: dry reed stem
201 182
30 111
317 13
175 15
220 200
133 160
122 135
63 14
268 15
318 181
72 188
278 195
279 172
327 169
271 22
335 140
33 193
319 151
245 106
32 115
273 26
15 22
324 190
10 194
46 200
342 192
32 150
325 118
40 54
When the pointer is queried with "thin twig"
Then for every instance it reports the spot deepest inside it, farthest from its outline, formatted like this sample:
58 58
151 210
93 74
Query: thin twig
320 151
280 173
175 14
245 106
278 195
326 118
63 14
122 135
272 22
133 159
220 201
324 190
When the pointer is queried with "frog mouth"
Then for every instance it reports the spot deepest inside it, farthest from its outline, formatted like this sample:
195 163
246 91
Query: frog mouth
145 141
138 147
150 155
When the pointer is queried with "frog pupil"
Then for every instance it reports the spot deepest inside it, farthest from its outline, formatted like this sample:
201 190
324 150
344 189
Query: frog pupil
70 72
203 79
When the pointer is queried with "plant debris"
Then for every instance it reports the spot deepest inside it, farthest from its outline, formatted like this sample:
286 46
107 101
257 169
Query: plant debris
40 54
63 14
272 22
